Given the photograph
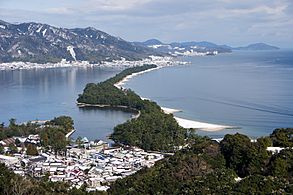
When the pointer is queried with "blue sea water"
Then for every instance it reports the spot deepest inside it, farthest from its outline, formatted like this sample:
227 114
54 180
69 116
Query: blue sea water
251 90
46 93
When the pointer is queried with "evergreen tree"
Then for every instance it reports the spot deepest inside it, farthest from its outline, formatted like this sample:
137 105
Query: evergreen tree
31 150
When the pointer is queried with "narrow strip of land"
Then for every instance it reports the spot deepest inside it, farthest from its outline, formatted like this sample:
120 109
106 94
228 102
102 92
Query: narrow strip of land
153 128
185 123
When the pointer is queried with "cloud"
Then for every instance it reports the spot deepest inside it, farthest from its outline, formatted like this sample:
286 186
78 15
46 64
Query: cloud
222 21
276 10
111 5
60 10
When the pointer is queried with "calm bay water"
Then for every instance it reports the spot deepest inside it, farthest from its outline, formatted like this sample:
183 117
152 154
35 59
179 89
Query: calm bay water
251 90
45 93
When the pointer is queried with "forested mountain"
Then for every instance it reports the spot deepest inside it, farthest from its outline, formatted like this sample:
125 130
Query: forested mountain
35 42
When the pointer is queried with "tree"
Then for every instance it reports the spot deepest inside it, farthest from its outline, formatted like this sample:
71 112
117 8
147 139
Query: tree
20 185
281 164
258 184
44 139
264 142
78 141
17 142
64 121
242 155
1 149
282 137
12 122
31 150
5 177
58 142
13 149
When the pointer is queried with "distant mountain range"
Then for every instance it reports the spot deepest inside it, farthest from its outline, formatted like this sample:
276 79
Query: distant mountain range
199 48
35 42
257 46
41 43
186 48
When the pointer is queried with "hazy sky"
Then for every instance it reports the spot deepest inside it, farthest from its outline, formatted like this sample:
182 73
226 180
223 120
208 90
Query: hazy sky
233 22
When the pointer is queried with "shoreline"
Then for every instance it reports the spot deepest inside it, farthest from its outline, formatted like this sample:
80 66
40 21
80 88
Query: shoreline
123 108
203 126
185 123
120 84
69 134
122 63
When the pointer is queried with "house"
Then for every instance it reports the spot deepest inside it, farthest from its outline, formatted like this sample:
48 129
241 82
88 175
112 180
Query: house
37 159
56 178
8 160
85 140
95 181
33 139
21 139
37 172
274 150
111 150
24 162
8 141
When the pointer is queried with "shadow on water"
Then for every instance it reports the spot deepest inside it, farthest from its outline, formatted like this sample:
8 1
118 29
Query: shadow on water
108 108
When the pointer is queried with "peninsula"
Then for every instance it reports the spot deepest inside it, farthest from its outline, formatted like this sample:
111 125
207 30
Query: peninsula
151 130
154 128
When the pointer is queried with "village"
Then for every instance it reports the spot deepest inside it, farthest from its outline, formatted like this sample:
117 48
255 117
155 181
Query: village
120 64
93 164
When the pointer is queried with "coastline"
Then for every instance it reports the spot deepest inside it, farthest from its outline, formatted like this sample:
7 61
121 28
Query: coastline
203 126
69 134
84 105
122 63
120 84
185 123
209 127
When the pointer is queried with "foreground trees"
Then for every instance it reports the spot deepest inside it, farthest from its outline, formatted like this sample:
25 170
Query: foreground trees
244 156
153 130
282 137
207 167
11 183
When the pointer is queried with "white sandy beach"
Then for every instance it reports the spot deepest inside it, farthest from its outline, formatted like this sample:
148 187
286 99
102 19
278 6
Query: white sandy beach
170 110
124 80
69 134
185 123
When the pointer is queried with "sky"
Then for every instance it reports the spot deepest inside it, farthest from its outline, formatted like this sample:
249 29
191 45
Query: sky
232 22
